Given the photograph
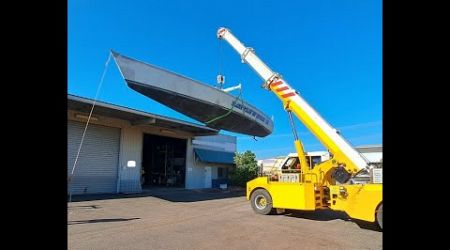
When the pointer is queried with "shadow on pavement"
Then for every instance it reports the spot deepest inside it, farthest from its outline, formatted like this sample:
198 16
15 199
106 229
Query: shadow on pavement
318 215
327 215
99 221
169 194
86 207
368 225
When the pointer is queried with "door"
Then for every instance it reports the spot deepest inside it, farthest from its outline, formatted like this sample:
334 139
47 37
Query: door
208 177
97 165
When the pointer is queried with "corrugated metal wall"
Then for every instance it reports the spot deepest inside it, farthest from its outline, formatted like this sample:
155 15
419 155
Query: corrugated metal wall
97 166
216 142
131 151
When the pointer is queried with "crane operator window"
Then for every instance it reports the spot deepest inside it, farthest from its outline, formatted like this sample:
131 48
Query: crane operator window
292 165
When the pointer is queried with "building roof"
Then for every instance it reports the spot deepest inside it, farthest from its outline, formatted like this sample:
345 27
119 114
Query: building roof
369 148
136 117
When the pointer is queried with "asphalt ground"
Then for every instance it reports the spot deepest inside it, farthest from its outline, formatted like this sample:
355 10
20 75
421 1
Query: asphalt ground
206 219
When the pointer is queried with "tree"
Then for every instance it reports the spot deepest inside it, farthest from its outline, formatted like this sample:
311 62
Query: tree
246 168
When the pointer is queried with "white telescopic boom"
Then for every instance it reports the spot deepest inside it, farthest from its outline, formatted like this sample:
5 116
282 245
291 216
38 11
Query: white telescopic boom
326 134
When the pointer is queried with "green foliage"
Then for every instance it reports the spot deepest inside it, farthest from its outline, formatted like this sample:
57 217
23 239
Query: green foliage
246 168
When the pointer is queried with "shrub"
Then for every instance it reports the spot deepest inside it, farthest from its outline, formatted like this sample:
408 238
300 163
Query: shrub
246 168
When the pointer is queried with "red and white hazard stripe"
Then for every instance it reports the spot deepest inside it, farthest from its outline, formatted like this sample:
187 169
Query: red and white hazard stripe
283 89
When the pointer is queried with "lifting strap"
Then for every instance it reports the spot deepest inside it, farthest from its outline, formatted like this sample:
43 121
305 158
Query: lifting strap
220 82
87 123
229 110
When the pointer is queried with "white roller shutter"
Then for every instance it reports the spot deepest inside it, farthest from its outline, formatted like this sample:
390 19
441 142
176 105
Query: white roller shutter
97 166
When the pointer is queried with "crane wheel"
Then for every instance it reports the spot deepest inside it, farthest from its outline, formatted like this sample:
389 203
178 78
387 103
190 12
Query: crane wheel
261 202
380 216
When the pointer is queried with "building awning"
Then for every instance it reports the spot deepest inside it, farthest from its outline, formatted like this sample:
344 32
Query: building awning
211 156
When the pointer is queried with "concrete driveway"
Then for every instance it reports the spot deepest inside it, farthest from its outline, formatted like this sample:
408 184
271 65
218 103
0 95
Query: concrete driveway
206 219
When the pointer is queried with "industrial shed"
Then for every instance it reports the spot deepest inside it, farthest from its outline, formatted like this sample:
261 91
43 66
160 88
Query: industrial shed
373 153
126 150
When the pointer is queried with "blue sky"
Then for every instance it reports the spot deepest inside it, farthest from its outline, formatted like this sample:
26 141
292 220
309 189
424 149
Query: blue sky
330 51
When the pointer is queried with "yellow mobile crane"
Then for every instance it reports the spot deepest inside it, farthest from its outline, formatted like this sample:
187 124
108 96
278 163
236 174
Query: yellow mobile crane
325 186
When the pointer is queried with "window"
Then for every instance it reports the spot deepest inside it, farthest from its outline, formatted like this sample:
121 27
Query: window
222 172
291 164
316 160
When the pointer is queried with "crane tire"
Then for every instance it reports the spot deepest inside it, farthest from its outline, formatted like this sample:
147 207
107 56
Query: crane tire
261 202
380 216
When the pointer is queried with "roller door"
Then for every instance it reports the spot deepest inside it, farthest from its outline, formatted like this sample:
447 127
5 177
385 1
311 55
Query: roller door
97 166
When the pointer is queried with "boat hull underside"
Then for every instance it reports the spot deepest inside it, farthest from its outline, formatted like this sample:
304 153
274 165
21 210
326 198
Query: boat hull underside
203 111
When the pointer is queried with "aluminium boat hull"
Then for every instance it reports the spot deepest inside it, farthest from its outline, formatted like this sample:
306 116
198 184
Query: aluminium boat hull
213 107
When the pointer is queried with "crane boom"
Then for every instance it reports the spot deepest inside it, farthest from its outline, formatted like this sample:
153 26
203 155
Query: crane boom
345 155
